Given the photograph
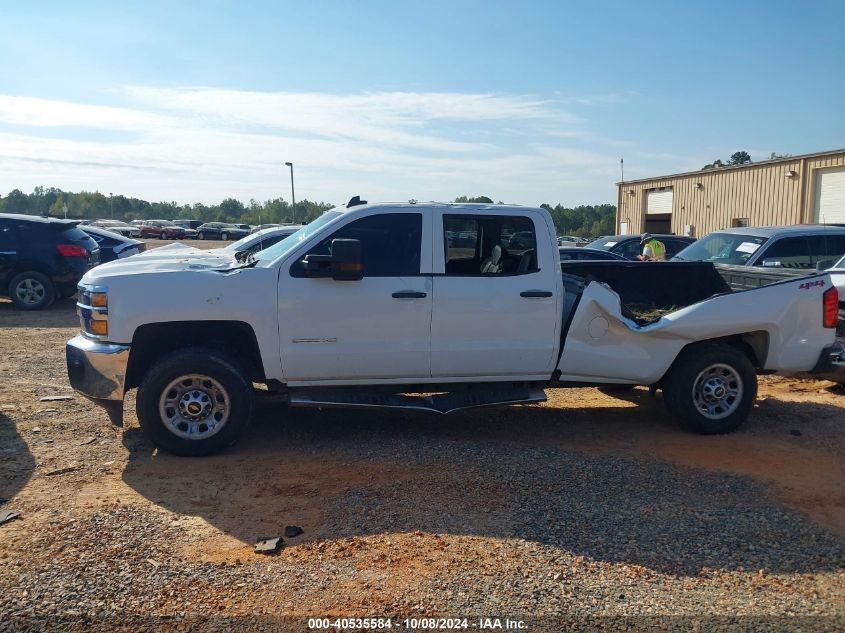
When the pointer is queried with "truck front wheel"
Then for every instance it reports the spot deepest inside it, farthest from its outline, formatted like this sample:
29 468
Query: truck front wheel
194 402
711 388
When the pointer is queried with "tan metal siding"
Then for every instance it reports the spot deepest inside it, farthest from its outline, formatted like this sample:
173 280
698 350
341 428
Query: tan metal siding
762 193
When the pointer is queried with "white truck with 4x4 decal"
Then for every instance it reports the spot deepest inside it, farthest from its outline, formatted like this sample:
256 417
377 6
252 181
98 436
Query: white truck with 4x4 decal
380 305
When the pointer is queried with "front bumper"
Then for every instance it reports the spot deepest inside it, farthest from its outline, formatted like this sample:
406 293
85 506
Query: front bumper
97 370
831 365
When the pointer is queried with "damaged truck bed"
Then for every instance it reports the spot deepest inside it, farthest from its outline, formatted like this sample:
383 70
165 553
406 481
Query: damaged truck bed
629 320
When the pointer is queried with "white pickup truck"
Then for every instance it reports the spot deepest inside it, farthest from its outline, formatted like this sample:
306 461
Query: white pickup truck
383 305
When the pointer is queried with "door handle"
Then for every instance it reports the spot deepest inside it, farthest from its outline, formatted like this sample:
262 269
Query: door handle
535 293
408 294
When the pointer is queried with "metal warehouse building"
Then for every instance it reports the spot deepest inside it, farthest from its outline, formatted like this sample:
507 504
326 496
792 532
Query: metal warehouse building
795 190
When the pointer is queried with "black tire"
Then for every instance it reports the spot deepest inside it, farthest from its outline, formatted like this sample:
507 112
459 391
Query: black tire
687 388
211 364
31 290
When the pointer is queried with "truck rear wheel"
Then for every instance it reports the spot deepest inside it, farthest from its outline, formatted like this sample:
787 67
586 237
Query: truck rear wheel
194 402
711 388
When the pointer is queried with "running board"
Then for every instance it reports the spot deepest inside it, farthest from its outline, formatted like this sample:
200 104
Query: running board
439 403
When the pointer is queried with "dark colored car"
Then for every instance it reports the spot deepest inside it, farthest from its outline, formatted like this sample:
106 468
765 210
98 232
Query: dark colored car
42 259
628 246
220 231
113 245
162 229
572 253
189 224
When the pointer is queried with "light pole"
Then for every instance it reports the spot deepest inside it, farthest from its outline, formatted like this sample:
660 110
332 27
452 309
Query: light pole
292 195
111 205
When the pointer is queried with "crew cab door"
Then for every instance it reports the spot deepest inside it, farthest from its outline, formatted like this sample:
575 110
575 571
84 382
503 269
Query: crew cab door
375 328
497 289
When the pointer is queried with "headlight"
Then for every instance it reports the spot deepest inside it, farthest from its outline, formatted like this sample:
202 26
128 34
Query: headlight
99 300
93 310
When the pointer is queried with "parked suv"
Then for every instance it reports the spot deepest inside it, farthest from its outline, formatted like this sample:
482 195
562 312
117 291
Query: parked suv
629 245
801 247
42 259
162 229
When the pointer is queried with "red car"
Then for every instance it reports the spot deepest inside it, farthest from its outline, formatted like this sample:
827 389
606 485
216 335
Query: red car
162 230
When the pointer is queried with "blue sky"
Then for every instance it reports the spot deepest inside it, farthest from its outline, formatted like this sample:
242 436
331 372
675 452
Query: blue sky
526 102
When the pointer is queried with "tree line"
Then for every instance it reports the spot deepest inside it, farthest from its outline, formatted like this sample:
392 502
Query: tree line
581 221
586 220
87 205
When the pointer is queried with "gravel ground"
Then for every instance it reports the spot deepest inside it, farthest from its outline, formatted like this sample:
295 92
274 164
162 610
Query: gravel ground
590 505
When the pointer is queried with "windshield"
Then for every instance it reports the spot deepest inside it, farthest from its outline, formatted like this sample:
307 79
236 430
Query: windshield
280 248
605 243
722 248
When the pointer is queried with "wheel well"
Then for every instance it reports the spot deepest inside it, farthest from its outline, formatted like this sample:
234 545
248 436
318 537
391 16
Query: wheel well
755 345
26 267
234 338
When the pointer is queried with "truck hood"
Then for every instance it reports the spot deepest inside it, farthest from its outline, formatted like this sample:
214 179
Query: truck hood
181 251
176 262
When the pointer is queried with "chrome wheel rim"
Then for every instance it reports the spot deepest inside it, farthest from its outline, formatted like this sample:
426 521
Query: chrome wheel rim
30 291
717 391
194 407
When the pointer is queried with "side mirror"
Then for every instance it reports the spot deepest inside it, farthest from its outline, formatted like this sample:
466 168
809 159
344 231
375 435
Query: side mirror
346 260
344 264
824 264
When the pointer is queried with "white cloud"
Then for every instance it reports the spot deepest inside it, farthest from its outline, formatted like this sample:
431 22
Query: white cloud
200 144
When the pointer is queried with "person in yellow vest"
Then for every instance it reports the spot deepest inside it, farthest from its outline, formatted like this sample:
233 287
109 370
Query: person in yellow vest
653 249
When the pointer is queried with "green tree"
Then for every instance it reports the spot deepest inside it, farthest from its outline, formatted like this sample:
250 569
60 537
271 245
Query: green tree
739 158
478 199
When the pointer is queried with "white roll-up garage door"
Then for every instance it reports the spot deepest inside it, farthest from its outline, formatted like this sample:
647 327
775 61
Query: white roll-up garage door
830 195
659 201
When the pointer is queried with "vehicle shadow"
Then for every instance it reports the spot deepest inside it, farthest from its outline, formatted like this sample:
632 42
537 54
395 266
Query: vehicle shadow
539 473
16 461
61 314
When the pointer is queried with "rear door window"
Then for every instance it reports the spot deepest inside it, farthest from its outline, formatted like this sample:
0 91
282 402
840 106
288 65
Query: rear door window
489 245
789 252
628 249
826 247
